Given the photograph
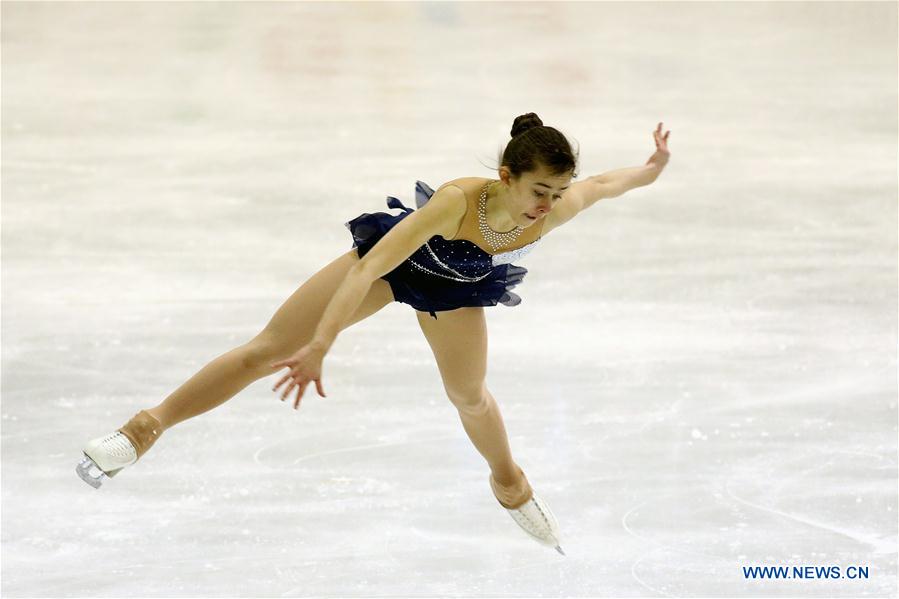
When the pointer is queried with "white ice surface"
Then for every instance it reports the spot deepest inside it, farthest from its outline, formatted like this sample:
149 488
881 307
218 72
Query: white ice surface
701 375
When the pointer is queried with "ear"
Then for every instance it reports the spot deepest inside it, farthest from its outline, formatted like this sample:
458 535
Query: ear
505 175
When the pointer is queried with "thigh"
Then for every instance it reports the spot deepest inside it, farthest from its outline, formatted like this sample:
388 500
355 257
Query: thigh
458 339
294 323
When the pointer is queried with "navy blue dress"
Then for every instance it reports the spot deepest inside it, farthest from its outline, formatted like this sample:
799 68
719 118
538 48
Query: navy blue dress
442 274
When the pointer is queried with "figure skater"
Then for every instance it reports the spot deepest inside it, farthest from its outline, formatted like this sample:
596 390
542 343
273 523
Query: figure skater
453 255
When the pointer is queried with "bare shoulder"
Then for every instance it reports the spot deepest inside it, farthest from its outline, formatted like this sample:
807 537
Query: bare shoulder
469 185
450 200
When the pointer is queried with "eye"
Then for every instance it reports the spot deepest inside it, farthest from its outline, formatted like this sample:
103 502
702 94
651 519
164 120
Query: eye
540 195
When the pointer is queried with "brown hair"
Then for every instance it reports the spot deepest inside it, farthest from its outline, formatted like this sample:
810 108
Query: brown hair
534 143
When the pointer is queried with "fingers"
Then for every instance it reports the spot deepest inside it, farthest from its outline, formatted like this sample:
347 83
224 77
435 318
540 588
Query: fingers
300 382
281 382
287 390
301 385
659 137
300 391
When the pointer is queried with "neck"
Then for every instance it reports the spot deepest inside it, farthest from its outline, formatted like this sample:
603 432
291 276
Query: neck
498 217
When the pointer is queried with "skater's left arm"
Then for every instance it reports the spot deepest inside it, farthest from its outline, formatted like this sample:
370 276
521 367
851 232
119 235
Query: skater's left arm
611 184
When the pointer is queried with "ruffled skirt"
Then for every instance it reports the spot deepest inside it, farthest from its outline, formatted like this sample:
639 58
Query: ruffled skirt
430 293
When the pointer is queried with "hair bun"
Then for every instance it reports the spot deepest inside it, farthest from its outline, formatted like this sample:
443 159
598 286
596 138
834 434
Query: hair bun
524 122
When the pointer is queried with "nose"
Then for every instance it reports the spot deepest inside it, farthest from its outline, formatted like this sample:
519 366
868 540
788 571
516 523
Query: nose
544 207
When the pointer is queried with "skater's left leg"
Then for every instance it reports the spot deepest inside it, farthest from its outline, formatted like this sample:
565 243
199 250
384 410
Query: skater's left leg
458 339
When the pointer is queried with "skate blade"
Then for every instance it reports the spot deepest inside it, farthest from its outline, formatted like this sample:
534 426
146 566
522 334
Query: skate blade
551 541
90 473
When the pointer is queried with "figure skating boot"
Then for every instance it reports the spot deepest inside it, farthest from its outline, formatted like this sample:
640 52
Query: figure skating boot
105 456
529 511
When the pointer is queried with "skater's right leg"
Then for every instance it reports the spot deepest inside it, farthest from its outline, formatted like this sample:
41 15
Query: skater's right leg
291 327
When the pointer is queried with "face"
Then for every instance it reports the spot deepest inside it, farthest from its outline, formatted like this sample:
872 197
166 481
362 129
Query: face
533 194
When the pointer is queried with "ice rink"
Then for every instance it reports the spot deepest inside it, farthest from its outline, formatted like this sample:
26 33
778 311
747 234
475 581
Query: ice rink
701 376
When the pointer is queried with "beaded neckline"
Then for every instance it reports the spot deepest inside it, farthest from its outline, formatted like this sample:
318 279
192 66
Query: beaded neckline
423 193
496 239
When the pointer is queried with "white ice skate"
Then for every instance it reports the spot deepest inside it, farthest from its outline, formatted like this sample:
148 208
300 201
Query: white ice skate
532 514
105 456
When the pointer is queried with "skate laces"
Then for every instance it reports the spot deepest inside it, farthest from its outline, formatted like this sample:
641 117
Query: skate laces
119 446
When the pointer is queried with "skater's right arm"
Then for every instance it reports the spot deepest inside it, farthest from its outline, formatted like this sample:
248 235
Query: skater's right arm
441 215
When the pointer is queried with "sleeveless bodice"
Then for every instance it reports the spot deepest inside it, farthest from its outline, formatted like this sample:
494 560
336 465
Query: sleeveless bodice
446 274
461 259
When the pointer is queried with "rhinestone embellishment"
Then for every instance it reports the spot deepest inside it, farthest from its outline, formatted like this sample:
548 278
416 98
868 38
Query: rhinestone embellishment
445 276
496 239
461 277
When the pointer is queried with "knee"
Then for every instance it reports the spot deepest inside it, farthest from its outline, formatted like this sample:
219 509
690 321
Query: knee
259 353
472 402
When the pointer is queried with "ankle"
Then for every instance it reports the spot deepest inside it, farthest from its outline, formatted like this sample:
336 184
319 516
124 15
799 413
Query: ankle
508 476
142 431
159 415
514 494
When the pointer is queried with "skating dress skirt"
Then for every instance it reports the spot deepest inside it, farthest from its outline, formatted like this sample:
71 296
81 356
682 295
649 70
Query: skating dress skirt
442 274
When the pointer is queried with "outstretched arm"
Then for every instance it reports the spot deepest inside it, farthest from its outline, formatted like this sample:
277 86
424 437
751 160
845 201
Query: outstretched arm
615 183
610 184
619 181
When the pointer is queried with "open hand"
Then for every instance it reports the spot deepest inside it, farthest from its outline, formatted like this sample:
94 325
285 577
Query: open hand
305 366
662 154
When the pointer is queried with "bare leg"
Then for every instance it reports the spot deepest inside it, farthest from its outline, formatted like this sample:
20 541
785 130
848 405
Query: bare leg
290 328
458 339
213 385
487 432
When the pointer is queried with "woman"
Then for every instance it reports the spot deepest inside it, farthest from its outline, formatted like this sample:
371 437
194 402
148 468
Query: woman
453 255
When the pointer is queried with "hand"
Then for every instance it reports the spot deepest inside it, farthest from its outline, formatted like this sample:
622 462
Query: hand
305 366
660 158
